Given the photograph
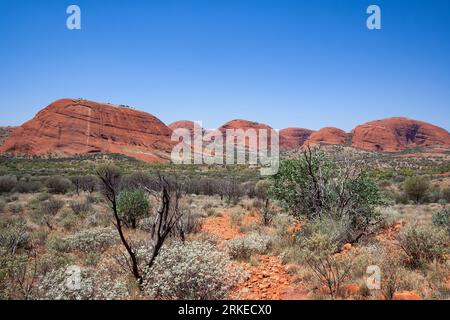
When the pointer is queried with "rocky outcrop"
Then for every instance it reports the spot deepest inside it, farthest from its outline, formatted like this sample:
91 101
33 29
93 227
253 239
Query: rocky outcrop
293 138
71 127
328 135
399 134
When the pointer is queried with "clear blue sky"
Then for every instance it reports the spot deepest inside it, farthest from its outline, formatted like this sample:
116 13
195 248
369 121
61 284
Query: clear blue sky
286 63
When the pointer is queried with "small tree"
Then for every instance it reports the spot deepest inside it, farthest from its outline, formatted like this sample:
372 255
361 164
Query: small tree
165 218
132 205
262 192
416 188
315 186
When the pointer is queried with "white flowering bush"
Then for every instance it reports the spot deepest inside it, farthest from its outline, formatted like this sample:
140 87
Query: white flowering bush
92 240
76 283
243 247
192 271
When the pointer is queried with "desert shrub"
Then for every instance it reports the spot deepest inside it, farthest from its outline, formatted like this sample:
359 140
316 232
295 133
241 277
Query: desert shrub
80 207
446 194
85 183
262 192
267 214
236 217
317 250
315 186
2 204
282 224
97 219
191 271
392 274
416 188
76 283
13 235
243 247
92 240
47 212
132 205
57 244
442 218
189 223
232 190
15 208
433 195
58 184
7 183
423 244
68 219
24 186
43 196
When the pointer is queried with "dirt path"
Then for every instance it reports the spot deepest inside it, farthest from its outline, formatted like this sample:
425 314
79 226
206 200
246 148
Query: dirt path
268 279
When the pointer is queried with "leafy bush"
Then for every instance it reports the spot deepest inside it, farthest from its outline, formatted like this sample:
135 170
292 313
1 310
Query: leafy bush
191 271
423 244
7 183
132 205
75 283
416 188
315 186
243 247
58 184
442 218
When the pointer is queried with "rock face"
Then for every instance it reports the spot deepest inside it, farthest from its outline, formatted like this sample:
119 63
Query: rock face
246 125
327 135
292 138
398 134
70 127
184 124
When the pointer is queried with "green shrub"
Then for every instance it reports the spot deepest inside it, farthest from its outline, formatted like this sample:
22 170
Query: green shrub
442 218
7 183
132 205
446 194
58 184
416 188
191 271
316 186
423 244
27 186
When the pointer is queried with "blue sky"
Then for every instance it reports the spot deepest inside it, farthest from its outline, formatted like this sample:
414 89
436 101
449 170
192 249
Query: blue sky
286 63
